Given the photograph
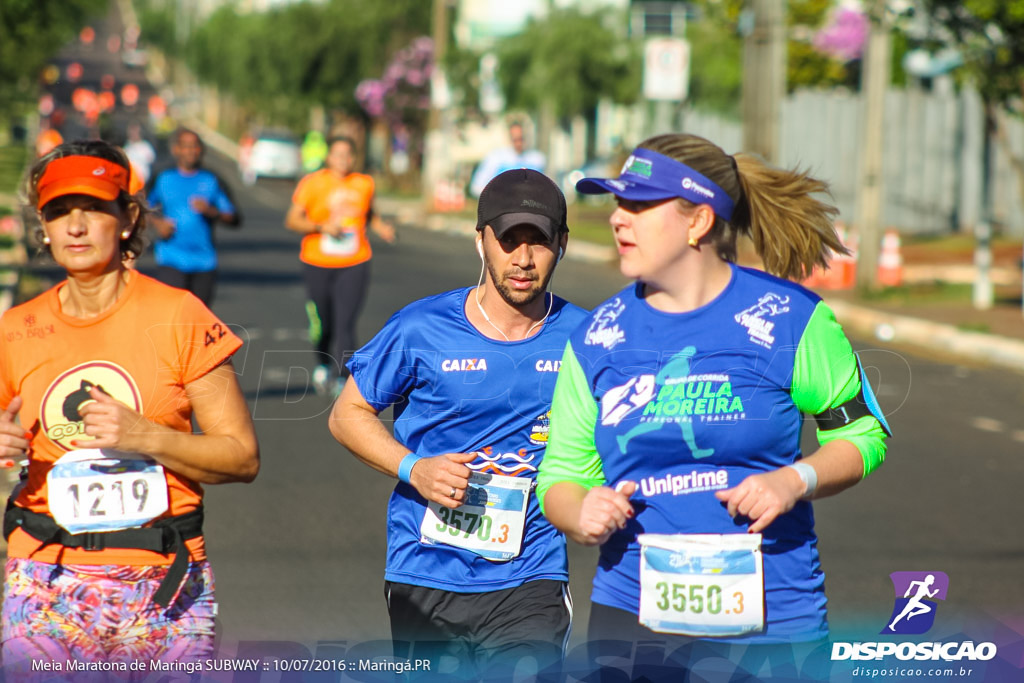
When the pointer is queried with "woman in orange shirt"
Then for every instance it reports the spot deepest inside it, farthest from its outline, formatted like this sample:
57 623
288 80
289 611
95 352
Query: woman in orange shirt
332 207
100 377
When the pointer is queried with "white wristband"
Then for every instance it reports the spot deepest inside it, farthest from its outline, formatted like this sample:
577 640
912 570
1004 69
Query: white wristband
808 476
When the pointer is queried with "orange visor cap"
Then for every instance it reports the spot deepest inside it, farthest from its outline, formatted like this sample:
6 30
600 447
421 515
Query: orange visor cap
80 174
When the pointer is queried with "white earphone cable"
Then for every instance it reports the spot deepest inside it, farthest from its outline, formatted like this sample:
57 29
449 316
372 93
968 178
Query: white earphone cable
479 283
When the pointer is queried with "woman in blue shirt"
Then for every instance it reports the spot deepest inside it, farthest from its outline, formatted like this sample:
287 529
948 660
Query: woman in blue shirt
675 431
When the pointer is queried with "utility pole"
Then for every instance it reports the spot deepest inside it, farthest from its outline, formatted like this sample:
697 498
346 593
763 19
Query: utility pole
439 34
764 76
434 162
983 295
874 81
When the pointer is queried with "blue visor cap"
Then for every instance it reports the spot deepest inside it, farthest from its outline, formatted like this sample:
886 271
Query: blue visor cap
649 176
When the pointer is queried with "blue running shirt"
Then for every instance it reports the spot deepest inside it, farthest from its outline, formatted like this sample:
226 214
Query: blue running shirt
190 249
687 404
456 391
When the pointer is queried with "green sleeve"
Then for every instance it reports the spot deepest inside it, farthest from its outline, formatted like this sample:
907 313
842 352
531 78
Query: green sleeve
571 454
826 375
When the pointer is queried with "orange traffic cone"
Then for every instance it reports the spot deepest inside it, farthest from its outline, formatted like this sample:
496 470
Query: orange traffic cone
890 261
841 270
847 263
449 196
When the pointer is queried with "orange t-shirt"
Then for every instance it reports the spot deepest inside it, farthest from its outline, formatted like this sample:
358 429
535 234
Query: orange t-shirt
327 198
143 351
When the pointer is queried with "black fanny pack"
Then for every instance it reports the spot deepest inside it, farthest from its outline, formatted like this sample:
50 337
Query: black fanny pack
164 536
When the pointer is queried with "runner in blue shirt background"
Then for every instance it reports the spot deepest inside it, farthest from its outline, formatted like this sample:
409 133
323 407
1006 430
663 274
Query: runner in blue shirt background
675 439
471 561
189 201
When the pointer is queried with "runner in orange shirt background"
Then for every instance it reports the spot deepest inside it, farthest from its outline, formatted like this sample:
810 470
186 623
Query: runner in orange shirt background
332 208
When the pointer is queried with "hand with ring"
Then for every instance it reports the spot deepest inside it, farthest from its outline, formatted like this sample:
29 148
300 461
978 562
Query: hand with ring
440 478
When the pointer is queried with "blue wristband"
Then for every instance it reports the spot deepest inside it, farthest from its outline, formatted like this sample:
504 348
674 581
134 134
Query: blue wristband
405 467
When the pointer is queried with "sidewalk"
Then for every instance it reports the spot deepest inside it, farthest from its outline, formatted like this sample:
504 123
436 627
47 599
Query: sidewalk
952 329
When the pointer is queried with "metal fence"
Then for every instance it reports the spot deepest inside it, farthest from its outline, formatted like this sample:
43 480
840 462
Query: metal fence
932 164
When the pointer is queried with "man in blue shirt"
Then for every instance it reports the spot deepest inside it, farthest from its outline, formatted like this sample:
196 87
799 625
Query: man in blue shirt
472 564
506 158
189 200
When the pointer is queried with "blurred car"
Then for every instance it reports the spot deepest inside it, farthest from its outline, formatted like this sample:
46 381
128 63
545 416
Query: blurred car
136 58
274 154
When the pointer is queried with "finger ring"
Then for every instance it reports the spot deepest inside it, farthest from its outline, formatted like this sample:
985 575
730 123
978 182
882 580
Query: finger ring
452 494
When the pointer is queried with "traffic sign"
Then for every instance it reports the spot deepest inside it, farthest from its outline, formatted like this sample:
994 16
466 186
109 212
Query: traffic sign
666 69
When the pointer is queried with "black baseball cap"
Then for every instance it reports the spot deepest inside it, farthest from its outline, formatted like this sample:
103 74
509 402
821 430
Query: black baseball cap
522 196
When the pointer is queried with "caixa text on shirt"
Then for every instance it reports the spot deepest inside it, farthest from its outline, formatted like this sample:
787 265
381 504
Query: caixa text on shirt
480 364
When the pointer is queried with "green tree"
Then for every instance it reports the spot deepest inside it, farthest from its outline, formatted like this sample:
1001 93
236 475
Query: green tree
159 25
567 62
281 62
716 58
715 34
31 31
990 34
571 59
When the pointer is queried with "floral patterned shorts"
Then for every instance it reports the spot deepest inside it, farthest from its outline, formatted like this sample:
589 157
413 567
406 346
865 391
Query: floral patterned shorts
101 613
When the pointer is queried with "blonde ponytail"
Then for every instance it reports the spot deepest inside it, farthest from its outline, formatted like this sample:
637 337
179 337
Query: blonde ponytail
792 230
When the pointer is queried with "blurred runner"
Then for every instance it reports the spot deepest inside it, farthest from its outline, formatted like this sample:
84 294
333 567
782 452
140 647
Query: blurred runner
47 139
506 158
245 145
139 150
314 151
332 207
190 201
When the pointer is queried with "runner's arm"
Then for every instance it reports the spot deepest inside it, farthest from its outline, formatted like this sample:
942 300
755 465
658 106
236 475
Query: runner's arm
357 426
826 375
570 482
384 229
226 450
226 204
154 196
297 221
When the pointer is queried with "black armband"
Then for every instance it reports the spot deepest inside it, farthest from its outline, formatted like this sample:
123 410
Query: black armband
864 404
840 416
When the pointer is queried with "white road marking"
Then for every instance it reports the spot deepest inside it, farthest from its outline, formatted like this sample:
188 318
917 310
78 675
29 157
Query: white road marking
987 424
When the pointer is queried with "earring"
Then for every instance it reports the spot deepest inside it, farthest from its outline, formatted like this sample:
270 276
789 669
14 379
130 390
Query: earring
46 239
125 234
693 242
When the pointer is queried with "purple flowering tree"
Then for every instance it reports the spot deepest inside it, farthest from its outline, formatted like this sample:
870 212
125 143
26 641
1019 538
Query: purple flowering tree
844 37
400 99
